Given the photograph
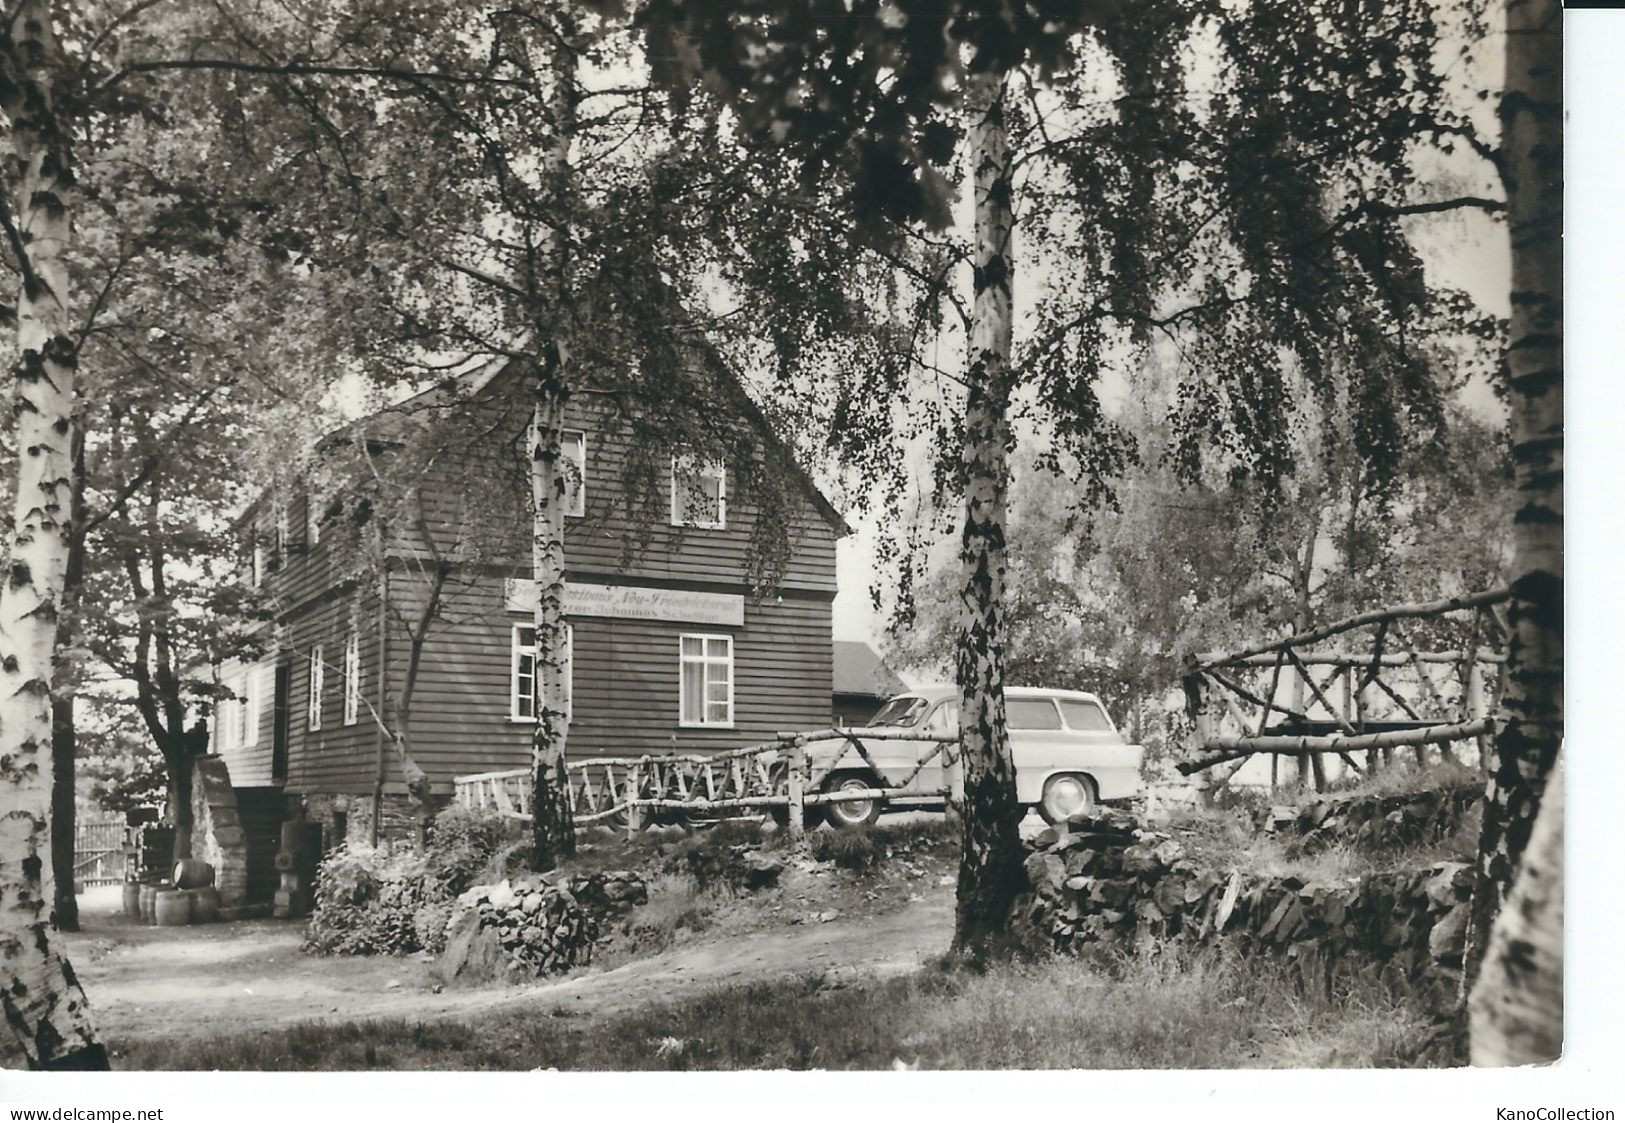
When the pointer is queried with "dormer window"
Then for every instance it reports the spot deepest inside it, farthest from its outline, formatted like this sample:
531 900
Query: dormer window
313 520
699 493
256 562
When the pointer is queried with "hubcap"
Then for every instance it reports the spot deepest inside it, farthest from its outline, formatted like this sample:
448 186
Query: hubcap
1068 796
856 810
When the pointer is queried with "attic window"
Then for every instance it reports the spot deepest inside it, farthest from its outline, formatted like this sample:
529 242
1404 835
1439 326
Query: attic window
699 493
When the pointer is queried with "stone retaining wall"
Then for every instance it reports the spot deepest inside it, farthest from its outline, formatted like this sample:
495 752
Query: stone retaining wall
1107 879
536 926
1377 822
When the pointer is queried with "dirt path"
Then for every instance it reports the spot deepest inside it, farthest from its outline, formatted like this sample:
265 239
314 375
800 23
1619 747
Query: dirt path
224 978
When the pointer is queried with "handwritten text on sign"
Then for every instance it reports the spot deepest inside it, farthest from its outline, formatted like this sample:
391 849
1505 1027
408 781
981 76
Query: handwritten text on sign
633 602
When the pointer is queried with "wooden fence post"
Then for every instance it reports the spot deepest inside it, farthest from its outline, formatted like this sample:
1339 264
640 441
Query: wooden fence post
793 789
1197 705
634 813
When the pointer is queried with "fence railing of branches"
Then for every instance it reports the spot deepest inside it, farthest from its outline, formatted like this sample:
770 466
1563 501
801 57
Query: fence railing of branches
1412 676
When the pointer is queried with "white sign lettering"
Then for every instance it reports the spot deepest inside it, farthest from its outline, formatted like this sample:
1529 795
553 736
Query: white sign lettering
633 602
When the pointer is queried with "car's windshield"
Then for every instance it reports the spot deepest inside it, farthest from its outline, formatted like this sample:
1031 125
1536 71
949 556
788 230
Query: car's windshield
905 710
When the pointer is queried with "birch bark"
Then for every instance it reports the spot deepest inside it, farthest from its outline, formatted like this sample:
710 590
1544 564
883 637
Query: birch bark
553 825
1532 703
990 874
47 1018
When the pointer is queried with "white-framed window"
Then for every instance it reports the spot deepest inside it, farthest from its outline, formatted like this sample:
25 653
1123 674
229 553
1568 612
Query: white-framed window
256 573
227 719
313 520
573 447
523 683
279 519
699 493
352 678
313 704
248 709
705 687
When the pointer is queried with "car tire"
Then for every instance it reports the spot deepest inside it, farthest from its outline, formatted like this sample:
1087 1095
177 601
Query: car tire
1067 794
851 816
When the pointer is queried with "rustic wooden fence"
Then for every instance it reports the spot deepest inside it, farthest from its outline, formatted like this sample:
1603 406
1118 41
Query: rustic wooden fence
1375 691
632 791
98 849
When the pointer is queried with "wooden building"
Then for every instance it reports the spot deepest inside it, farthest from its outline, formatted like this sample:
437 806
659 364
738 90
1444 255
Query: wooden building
669 647
862 683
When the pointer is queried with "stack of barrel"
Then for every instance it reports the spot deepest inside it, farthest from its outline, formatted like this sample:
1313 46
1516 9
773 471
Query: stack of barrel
188 896
296 864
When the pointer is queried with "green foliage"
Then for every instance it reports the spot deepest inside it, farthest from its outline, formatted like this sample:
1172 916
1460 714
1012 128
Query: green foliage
462 843
368 903
392 901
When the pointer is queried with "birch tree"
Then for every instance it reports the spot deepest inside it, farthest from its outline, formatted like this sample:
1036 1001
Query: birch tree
1249 208
1530 728
47 1017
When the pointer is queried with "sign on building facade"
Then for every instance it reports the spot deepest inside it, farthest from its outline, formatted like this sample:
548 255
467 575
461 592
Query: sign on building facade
633 602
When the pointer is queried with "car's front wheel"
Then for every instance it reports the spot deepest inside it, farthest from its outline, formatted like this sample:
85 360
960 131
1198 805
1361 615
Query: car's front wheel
851 814
1067 794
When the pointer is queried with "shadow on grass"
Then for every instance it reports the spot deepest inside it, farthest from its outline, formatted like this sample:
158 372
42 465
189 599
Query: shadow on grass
1167 1007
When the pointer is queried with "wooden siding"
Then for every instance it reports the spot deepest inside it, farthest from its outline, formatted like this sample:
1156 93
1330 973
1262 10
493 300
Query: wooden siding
624 688
249 761
477 492
337 757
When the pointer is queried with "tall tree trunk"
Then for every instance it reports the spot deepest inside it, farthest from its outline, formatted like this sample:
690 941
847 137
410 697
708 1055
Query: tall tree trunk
47 1018
64 735
64 817
990 873
552 821
1532 720
1516 1011
553 824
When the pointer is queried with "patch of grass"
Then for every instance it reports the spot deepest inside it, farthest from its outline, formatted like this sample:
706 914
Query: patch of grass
1400 778
1166 1007
855 850
676 904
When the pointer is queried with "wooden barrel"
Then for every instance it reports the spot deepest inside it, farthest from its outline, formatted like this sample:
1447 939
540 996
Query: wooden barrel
191 873
205 904
132 900
172 907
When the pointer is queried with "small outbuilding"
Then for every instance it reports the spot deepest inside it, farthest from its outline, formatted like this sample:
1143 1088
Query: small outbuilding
863 682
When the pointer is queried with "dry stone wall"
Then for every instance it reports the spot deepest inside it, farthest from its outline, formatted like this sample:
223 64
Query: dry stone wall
1106 879
537 926
1377 822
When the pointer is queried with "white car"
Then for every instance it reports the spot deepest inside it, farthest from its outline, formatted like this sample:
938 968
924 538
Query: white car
1068 754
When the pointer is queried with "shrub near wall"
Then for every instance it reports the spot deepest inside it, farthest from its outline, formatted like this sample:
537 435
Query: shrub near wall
393 900
1107 880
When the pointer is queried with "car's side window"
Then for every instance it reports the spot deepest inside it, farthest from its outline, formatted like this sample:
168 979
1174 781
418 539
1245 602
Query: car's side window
1085 717
945 718
1032 713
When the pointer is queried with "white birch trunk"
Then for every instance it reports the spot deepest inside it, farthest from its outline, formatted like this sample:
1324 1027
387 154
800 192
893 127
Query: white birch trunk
1516 1010
47 1018
990 874
1527 743
553 826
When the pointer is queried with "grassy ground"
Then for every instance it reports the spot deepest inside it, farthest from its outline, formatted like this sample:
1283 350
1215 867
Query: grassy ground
1168 1008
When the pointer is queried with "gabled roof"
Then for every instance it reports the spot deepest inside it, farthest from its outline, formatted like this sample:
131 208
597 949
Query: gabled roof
859 669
